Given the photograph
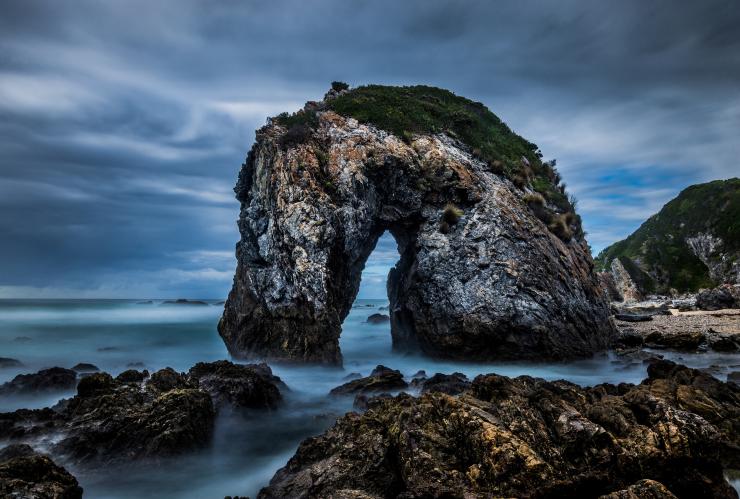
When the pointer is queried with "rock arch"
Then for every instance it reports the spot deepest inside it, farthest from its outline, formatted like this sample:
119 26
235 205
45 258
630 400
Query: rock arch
479 277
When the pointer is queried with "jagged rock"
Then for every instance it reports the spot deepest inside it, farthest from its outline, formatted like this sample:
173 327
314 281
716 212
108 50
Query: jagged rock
723 342
132 376
352 376
46 380
734 377
314 202
451 384
626 286
378 319
644 489
238 386
84 367
26 474
609 286
380 380
526 437
363 401
6 362
725 296
111 421
168 379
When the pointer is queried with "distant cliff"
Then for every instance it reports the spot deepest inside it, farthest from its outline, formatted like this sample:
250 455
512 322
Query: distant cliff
493 261
692 243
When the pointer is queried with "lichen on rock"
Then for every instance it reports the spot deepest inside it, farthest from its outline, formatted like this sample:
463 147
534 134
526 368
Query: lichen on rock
496 283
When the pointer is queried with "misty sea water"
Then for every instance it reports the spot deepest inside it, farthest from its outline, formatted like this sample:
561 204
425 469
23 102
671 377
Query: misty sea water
247 449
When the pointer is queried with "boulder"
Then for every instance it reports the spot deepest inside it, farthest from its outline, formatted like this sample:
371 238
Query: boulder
725 296
382 379
84 367
238 386
46 380
132 376
527 437
25 473
687 341
451 384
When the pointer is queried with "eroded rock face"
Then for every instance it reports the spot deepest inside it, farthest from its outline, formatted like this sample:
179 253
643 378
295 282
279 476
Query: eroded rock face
526 437
25 473
489 282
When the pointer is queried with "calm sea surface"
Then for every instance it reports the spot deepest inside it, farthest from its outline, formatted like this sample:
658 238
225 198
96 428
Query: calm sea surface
246 452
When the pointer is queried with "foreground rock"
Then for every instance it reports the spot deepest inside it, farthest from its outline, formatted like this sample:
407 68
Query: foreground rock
526 437
644 489
25 473
451 384
381 379
136 417
110 422
46 380
238 386
481 276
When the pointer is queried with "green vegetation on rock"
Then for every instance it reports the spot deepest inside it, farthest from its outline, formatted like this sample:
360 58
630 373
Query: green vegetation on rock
406 111
657 255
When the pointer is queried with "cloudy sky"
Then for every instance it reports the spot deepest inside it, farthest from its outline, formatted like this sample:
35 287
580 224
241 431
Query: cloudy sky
123 124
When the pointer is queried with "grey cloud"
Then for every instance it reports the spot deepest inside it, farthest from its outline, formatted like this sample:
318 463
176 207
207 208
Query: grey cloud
123 124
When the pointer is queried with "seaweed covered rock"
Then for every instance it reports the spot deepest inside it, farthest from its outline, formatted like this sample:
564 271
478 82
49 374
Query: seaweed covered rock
238 386
527 437
493 261
25 473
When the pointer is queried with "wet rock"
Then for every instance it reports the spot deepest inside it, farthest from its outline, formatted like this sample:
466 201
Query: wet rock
84 367
725 296
527 437
168 379
688 341
312 211
112 421
238 386
120 423
46 380
6 362
25 473
420 374
380 380
633 317
378 319
734 377
644 489
363 401
132 376
451 384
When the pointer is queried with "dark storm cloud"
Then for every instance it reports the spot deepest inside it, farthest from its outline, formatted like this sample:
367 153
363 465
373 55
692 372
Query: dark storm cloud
123 124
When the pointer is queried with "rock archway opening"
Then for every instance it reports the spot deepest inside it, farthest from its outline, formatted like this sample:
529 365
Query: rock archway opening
366 328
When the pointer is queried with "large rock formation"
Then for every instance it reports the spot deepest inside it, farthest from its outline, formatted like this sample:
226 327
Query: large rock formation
27 474
480 274
692 243
526 437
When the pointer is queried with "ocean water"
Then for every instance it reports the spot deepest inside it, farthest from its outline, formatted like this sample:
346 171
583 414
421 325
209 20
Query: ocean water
247 450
